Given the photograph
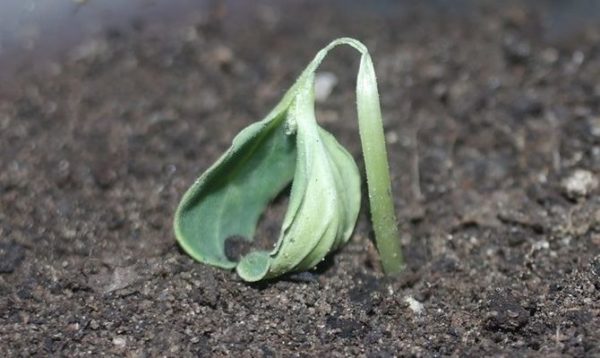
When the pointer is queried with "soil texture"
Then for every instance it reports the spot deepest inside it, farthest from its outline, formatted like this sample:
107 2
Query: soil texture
493 131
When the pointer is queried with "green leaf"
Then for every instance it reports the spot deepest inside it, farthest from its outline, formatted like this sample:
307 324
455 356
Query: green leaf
228 199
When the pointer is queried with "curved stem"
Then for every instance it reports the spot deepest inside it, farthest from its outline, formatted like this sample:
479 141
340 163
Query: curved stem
372 138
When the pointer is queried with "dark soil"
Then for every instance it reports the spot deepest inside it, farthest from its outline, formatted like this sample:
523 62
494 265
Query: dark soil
493 131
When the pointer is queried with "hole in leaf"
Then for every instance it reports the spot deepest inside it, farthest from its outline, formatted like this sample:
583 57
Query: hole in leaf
237 246
267 230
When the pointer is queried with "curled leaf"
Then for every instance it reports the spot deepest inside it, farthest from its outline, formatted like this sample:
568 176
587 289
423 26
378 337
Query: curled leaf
324 201
228 199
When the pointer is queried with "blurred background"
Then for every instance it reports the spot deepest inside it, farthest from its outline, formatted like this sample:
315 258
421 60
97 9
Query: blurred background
35 32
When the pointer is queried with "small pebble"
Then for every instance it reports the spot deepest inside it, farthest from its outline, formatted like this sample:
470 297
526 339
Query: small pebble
119 342
414 305
541 245
579 184
94 325
391 137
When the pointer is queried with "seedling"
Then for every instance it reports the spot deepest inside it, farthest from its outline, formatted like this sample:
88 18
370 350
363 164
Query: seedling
289 146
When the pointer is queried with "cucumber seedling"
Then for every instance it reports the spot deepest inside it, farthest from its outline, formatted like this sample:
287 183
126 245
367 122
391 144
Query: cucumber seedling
287 146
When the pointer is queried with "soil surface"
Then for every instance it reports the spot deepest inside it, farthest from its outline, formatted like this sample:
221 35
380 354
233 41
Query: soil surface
493 130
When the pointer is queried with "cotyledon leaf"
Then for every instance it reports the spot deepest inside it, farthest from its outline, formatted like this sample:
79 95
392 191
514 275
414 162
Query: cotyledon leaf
228 199
324 201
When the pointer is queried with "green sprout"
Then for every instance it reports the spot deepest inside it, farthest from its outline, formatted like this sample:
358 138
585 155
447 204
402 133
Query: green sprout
289 146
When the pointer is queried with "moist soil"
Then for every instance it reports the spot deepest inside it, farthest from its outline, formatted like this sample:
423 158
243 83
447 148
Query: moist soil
493 131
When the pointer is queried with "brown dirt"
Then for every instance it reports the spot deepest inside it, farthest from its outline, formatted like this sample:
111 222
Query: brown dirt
486 116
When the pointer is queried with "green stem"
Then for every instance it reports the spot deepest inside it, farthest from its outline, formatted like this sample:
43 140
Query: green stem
372 139
370 126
